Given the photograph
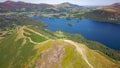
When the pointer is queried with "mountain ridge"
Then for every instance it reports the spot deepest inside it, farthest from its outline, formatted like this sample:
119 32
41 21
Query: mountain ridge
116 5
13 6
110 14
49 53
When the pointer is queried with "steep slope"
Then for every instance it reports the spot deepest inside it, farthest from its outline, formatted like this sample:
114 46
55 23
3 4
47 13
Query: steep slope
29 48
105 14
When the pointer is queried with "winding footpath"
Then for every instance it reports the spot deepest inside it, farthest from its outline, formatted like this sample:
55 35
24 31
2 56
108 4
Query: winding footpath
81 51
36 32
21 31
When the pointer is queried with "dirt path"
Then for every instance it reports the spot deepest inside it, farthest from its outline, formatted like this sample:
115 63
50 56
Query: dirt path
36 42
81 51
21 31
36 32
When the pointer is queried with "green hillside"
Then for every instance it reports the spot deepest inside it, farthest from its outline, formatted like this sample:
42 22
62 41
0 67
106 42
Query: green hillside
29 47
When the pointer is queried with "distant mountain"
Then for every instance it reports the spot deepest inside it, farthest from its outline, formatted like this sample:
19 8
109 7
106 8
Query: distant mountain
69 5
112 8
109 13
22 6
115 6
12 6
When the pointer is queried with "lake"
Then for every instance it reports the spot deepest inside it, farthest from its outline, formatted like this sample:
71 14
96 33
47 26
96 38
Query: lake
105 33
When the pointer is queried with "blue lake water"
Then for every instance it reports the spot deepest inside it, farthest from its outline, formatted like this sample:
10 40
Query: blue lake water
105 33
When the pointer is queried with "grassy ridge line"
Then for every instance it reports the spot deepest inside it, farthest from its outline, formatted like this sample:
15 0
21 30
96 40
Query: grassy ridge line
21 51
78 38
96 59
94 46
81 50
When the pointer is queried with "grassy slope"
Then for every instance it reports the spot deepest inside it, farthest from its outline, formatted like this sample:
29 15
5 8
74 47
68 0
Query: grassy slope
34 36
93 45
15 54
23 54
95 59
